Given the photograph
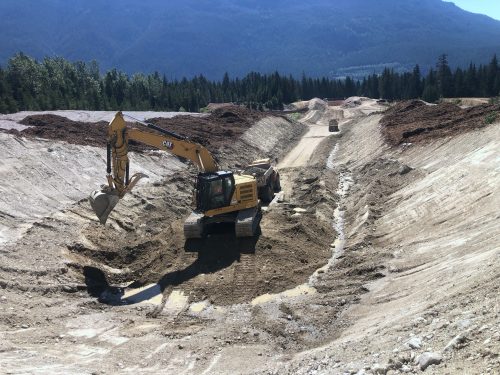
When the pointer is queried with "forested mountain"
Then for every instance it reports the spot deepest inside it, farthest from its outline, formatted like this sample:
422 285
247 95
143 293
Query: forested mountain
54 83
190 37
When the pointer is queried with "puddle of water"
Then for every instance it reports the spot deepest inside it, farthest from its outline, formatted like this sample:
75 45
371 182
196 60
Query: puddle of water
116 340
148 294
198 306
345 182
300 290
176 301
330 162
84 332
84 353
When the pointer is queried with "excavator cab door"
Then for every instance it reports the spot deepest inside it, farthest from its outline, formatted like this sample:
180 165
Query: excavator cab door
214 190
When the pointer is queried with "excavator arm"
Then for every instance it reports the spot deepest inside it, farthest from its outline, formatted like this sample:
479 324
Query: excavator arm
119 182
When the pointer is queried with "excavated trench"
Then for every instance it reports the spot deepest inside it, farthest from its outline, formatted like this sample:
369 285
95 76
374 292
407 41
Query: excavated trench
143 246
221 269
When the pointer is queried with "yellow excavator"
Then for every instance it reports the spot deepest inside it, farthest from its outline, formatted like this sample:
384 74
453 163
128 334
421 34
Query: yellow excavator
219 196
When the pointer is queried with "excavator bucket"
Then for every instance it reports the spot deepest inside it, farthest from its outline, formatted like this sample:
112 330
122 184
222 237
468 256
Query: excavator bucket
102 203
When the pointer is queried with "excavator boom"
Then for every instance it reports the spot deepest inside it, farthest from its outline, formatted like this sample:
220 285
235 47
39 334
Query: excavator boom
220 196
119 182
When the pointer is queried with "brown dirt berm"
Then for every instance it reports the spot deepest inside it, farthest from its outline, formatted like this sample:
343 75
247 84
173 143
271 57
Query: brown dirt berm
415 121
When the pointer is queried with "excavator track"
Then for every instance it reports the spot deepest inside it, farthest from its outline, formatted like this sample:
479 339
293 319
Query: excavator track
244 276
194 226
247 222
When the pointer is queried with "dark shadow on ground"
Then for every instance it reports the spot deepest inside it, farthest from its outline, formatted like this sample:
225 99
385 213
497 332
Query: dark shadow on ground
219 250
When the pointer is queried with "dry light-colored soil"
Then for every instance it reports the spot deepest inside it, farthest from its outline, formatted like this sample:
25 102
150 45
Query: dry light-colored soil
382 250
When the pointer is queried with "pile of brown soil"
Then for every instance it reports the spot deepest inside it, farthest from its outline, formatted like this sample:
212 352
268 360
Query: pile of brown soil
60 128
214 131
415 121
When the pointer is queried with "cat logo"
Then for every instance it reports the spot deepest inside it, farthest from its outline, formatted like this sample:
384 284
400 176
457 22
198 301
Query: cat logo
168 144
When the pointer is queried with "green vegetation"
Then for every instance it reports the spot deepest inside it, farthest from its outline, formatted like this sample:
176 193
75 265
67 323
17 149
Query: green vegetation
491 118
294 116
55 83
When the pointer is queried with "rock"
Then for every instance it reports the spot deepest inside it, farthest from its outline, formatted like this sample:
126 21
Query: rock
379 369
310 180
405 369
420 320
443 324
3 298
69 289
180 346
149 206
296 215
483 328
24 326
427 359
299 210
289 317
456 342
464 324
414 343
404 358
404 169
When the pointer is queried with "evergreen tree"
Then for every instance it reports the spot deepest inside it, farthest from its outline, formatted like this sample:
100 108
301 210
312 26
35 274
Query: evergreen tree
55 83
444 77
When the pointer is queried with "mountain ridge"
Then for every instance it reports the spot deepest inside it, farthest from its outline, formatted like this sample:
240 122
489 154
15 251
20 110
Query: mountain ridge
189 37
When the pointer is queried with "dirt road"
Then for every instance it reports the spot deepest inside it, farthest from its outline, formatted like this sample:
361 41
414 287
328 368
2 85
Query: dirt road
316 120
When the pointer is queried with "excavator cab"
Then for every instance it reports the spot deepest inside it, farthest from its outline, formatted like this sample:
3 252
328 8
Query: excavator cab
214 190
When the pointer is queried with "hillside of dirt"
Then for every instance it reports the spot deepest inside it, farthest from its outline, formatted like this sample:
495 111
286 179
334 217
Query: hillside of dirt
375 258
416 121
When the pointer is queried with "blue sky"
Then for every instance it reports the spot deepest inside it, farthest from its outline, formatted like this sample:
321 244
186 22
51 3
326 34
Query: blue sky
489 7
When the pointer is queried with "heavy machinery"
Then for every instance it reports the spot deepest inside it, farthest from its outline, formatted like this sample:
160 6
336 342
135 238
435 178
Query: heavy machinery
333 126
268 179
219 196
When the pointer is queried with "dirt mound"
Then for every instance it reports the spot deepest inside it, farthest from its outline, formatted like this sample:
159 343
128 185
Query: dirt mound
317 105
415 121
60 128
213 131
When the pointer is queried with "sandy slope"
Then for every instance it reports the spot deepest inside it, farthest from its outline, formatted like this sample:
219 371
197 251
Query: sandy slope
41 177
436 237
416 257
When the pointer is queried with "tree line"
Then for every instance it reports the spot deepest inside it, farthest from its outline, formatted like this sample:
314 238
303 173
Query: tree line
55 83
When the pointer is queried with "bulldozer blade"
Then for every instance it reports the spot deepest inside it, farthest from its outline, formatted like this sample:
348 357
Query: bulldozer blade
103 203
